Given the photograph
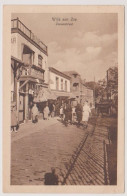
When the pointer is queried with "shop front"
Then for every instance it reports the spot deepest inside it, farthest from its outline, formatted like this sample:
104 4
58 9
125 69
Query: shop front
44 96
63 98
28 91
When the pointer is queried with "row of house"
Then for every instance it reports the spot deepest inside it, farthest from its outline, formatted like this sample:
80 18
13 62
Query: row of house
32 80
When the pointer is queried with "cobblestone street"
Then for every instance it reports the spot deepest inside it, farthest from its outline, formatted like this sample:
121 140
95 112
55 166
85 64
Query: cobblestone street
79 156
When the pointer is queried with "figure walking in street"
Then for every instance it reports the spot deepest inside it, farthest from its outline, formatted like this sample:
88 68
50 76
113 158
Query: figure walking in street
14 119
68 114
61 113
34 114
86 113
73 114
46 112
78 111
53 110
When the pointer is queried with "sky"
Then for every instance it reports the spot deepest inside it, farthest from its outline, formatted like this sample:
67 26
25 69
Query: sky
89 46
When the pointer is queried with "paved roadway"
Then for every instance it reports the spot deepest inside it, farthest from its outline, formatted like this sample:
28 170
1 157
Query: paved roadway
77 155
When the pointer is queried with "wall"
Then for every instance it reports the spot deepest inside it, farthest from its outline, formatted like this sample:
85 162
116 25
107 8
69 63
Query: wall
17 42
87 94
53 82
75 80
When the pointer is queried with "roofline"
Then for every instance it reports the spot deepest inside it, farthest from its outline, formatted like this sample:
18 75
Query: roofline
28 38
59 72
72 72
16 59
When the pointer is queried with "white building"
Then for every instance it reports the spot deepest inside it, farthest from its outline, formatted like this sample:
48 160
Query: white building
29 68
59 83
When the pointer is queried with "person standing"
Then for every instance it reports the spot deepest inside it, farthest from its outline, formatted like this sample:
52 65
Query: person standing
34 114
61 112
53 110
68 114
78 111
46 112
86 113
73 114
14 119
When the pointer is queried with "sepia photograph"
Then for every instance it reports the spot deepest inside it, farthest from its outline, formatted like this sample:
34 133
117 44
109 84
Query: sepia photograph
63 96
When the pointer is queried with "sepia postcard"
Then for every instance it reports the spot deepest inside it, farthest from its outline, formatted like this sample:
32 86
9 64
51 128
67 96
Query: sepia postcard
63 99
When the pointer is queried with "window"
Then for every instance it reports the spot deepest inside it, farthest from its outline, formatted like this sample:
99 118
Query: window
40 59
61 84
75 75
57 83
76 86
65 85
27 55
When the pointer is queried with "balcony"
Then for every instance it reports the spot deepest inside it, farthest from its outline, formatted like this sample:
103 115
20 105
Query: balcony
32 71
19 27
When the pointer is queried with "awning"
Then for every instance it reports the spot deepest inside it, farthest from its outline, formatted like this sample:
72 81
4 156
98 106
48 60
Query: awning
62 94
72 96
68 95
45 95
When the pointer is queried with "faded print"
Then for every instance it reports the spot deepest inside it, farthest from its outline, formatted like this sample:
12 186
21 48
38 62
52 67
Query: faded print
64 99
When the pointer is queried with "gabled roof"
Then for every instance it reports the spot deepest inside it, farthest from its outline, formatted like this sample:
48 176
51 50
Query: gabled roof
52 69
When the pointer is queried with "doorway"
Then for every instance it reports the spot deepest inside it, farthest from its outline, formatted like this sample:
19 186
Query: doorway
21 108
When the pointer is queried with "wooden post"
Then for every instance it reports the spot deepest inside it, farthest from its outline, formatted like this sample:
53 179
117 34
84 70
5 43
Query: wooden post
26 103
15 83
17 100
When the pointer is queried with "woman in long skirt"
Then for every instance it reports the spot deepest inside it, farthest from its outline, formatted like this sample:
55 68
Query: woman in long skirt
34 114
78 111
46 112
86 113
14 119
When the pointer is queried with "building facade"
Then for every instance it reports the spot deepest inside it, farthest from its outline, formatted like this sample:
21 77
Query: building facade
75 84
59 82
79 89
29 68
87 95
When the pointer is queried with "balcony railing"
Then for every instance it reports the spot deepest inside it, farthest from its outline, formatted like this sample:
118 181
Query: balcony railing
17 24
26 71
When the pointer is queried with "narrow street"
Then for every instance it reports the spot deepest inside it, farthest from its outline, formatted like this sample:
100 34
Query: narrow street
79 156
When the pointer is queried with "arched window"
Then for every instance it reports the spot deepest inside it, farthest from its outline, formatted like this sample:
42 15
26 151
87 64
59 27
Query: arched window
40 59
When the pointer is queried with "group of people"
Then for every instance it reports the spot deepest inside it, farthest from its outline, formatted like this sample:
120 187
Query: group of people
49 110
68 114
72 114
